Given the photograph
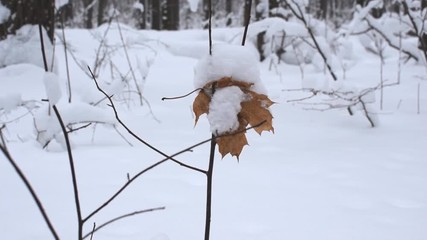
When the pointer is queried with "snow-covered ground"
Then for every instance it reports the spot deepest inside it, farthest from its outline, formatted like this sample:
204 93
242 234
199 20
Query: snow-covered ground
322 175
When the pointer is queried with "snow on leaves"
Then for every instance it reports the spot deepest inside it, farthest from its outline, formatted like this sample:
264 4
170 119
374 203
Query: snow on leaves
248 107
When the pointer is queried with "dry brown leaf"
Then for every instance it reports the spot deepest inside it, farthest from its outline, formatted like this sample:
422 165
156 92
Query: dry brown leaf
253 112
265 101
201 105
233 144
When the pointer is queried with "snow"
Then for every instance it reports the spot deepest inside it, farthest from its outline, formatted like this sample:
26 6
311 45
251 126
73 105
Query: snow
9 102
322 175
223 109
53 90
193 5
24 47
60 3
4 13
237 62
139 6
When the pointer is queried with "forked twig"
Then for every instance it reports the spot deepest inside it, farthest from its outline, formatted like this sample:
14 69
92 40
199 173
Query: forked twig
130 180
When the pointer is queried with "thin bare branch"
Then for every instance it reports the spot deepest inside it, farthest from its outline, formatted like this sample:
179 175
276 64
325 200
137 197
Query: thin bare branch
130 180
95 229
73 173
183 96
27 184
300 15
132 133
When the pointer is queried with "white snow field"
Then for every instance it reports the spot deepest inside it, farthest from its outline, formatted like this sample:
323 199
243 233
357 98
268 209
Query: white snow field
322 175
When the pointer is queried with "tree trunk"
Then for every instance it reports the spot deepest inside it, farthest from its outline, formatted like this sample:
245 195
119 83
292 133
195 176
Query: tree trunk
101 8
228 6
171 22
323 11
272 4
65 13
142 22
29 12
156 14
88 13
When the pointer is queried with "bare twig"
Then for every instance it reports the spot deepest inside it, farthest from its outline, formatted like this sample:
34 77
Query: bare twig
419 32
73 173
210 26
132 133
248 6
392 44
27 184
42 48
300 15
78 128
159 163
98 59
183 96
95 229
66 59
129 62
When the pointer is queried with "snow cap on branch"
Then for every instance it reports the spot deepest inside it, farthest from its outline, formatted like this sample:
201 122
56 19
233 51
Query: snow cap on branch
234 61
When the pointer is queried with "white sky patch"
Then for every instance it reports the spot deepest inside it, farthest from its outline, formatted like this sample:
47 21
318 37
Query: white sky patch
4 13
60 3
223 109
193 5
235 61
53 90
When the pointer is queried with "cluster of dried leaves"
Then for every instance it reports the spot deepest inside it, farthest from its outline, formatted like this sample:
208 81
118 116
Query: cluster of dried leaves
254 111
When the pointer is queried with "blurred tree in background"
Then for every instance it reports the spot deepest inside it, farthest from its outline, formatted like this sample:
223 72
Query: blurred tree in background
28 12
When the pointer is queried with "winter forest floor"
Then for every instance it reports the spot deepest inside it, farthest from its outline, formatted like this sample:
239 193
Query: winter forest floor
322 175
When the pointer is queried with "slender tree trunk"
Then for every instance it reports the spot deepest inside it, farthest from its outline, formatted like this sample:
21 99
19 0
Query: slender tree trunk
156 14
88 13
29 12
102 4
272 4
65 13
323 11
228 6
172 15
143 21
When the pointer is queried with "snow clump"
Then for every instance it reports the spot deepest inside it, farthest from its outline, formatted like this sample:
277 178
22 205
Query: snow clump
237 62
4 13
223 109
228 61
